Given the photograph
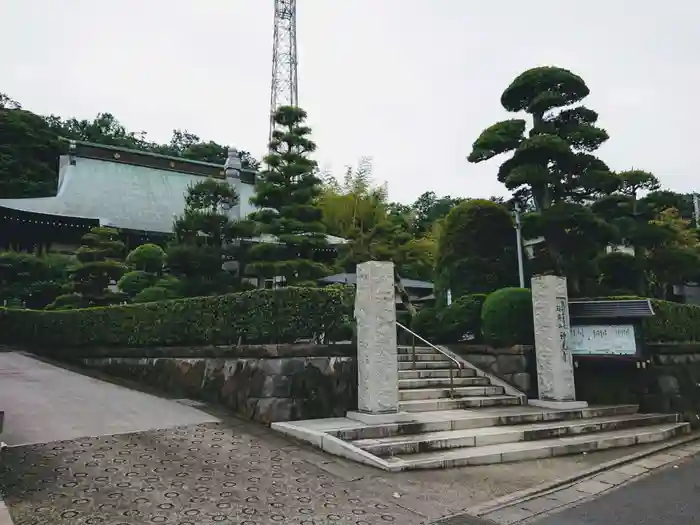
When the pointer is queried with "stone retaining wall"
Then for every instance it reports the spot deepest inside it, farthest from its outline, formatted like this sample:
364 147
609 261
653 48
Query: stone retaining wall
514 365
668 383
277 385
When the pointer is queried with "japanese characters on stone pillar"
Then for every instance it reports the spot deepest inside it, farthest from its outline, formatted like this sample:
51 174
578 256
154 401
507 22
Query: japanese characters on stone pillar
375 312
555 367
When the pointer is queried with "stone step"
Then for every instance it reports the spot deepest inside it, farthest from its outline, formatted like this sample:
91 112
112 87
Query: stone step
478 418
423 357
445 393
477 437
545 448
424 365
419 350
424 405
442 382
435 373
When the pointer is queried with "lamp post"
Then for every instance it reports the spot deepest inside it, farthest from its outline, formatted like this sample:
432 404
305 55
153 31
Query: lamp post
519 240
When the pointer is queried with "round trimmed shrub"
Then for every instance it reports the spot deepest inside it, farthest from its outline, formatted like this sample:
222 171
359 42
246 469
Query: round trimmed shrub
461 319
506 318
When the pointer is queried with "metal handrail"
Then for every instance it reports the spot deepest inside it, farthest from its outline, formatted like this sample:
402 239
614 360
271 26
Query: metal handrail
453 361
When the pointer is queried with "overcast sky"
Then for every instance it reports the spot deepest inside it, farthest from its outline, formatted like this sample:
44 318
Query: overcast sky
410 83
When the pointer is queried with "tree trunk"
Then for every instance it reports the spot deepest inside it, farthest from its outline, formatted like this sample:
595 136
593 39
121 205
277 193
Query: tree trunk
403 294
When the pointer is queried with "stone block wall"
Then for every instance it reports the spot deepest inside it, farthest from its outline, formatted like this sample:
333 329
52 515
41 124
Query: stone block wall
515 365
668 383
264 383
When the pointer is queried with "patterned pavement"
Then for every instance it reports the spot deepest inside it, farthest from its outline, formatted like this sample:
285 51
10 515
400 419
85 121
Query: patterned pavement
188 475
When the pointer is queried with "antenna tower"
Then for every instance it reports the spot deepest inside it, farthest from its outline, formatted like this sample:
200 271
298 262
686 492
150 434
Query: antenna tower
284 90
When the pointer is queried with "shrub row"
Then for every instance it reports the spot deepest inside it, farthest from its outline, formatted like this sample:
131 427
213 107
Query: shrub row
673 323
255 317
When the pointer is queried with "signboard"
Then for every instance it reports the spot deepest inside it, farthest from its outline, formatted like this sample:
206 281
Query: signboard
602 340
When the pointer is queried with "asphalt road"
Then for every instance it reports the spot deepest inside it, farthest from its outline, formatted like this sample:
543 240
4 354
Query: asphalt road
670 496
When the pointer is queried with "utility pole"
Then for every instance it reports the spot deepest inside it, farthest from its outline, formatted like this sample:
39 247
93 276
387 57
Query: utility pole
519 240
696 210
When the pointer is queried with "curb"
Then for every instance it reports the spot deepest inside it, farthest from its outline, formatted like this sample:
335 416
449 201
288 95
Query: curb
527 494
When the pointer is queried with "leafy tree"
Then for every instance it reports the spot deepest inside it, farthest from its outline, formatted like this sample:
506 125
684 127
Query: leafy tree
428 209
289 217
619 274
476 250
29 152
553 163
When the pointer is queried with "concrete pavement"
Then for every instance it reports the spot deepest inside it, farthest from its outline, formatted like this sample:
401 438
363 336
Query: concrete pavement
668 496
45 403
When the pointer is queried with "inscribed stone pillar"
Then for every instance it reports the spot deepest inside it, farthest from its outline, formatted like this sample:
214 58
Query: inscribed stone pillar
555 371
375 312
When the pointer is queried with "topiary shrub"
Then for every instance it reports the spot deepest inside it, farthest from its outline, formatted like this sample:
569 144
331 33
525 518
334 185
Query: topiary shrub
506 317
257 317
461 320
147 258
476 250
134 282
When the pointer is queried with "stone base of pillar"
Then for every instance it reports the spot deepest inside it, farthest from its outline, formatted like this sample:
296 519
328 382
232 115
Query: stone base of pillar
557 405
375 418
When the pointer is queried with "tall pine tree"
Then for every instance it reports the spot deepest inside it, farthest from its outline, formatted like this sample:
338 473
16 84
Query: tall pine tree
289 219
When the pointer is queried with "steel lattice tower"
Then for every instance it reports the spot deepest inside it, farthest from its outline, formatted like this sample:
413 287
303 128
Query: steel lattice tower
284 90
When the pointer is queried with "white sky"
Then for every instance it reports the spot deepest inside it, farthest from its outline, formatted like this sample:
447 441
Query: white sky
410 83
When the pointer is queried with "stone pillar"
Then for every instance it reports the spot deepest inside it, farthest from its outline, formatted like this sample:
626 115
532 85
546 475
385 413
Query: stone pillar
375 312
555 365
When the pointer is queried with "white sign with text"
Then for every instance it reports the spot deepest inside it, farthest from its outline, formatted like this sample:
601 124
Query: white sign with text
597 339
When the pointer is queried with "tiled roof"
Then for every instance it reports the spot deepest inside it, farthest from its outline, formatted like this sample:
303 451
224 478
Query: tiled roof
119 195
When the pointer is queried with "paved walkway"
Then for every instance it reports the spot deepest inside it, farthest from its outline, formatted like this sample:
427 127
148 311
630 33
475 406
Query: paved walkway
45 403
91 452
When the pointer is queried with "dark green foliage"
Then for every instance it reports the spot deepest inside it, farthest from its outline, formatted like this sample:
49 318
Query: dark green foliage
29 151
286 194
134 282
476 250
147 258
101 263
425 323
620 273
153 294
673 323
506 318
261 316
205 237
461 319
32 280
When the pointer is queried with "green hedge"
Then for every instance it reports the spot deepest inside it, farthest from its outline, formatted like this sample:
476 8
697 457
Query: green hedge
255 317
673 323
506 318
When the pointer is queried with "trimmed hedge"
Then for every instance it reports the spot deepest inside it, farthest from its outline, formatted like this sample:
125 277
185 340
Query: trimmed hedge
255 317
673 323
506 318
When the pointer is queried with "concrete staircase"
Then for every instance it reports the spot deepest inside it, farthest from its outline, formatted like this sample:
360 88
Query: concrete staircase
478 423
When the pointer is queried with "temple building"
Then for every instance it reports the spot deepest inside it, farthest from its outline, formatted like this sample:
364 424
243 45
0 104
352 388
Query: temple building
137 192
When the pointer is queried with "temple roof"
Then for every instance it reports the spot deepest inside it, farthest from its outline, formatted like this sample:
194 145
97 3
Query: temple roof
132 190
117 194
